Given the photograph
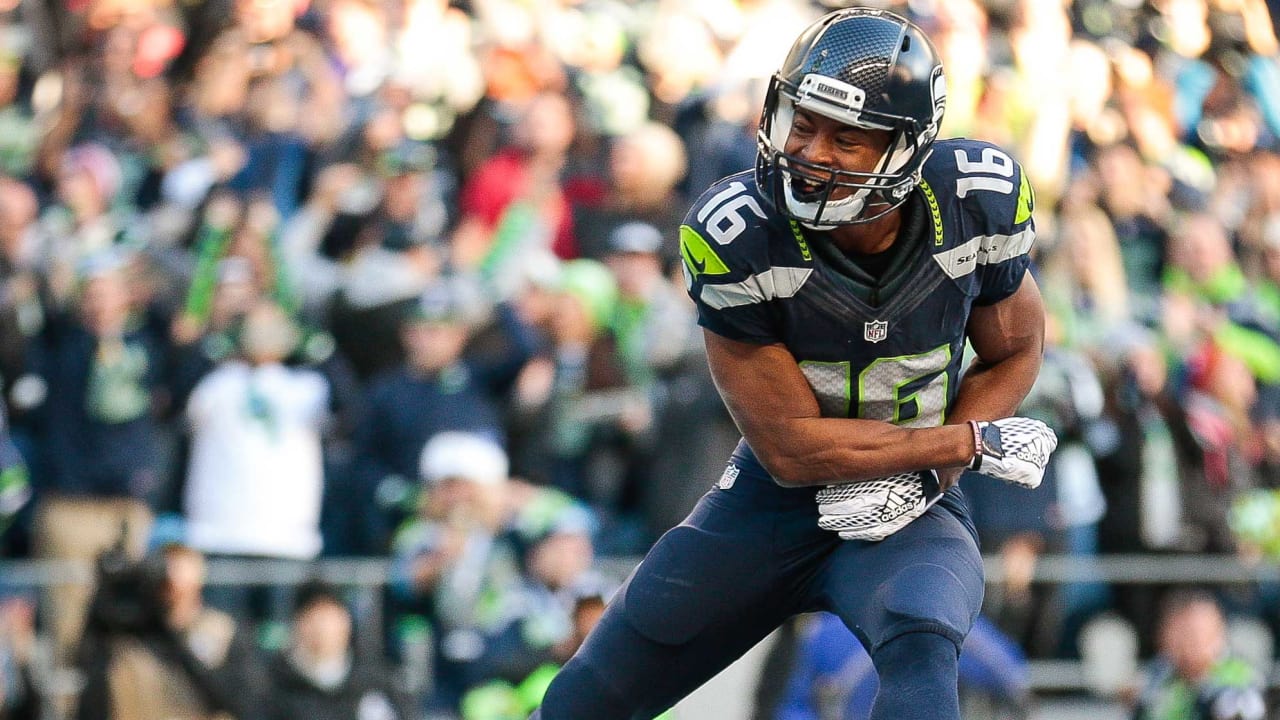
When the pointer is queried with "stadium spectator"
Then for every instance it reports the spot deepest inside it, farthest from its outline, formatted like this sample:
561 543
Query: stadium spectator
100 447
453 564
19 697
1142 468
81 225
1138 212
25 303
255 476
515 205
651 319
20 132
1086 293
339 189
499 699
644 167
1067 396
553 532
381 278
240 238
1216 408
199 345
267 84
575 397
1227 91
1195 675
15 489
651 326
1268 279
441 387
191 661
1204 267
721 133
319 675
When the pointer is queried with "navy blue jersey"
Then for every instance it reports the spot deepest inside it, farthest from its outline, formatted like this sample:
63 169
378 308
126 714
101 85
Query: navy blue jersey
894 355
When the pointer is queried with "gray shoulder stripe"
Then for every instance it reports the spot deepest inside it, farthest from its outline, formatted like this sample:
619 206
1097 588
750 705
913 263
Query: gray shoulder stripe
984 250
778 282
998 248
960 260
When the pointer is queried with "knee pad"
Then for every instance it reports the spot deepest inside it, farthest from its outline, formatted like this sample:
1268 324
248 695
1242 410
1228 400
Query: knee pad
925 651
926 597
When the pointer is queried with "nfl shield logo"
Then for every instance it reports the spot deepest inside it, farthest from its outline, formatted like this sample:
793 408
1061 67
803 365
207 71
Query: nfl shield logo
875 331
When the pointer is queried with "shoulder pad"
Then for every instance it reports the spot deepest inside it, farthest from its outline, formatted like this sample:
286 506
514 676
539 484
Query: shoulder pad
981 182
726 231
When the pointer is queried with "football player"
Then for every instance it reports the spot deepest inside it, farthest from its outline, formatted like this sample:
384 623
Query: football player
836 286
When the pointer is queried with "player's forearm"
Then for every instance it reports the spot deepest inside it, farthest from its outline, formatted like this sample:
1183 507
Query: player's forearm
989 391
822 451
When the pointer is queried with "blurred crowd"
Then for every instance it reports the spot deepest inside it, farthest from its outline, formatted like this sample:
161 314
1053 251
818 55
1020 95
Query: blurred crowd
293 279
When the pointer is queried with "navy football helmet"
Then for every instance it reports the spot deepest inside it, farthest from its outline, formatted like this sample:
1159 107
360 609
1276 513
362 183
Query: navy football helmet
866 68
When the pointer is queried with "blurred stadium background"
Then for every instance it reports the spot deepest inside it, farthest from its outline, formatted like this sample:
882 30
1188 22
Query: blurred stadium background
359 324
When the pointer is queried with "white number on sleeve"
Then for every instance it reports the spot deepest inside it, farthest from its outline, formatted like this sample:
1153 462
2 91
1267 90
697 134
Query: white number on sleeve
986 173
722 214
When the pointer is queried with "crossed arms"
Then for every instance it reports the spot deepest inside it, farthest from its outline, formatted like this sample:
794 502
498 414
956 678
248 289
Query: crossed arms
776 411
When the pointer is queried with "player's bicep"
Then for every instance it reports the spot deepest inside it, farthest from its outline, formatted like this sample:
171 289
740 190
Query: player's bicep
762 386
1009 328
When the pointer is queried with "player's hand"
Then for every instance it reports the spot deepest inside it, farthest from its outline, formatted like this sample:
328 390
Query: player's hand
1014 449
875 509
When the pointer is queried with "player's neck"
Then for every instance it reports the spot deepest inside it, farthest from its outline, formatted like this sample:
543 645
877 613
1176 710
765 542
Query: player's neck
868 238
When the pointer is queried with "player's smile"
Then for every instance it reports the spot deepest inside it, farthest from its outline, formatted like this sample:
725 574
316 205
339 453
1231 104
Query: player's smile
806 189
831 145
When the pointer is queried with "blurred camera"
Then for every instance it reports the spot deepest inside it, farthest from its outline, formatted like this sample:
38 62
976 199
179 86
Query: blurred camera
129 598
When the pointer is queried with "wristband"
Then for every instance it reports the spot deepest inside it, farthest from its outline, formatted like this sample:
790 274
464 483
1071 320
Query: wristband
976 462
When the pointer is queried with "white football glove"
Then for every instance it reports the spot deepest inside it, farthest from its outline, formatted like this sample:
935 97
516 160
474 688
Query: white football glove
1014 449
875 509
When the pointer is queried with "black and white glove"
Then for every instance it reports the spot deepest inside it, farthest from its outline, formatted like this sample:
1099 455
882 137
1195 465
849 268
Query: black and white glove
875 509
1014 449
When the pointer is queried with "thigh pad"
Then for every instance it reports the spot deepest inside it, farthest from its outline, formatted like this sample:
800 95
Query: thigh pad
693 579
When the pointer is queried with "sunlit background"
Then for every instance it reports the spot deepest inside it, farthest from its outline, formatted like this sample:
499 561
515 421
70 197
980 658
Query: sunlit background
349 337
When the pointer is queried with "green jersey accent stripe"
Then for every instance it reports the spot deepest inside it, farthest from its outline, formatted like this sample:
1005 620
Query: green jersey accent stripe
778 282
798 234
1026 201
934 212
698 255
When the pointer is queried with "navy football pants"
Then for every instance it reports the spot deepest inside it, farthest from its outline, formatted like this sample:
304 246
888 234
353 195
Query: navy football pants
744 560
